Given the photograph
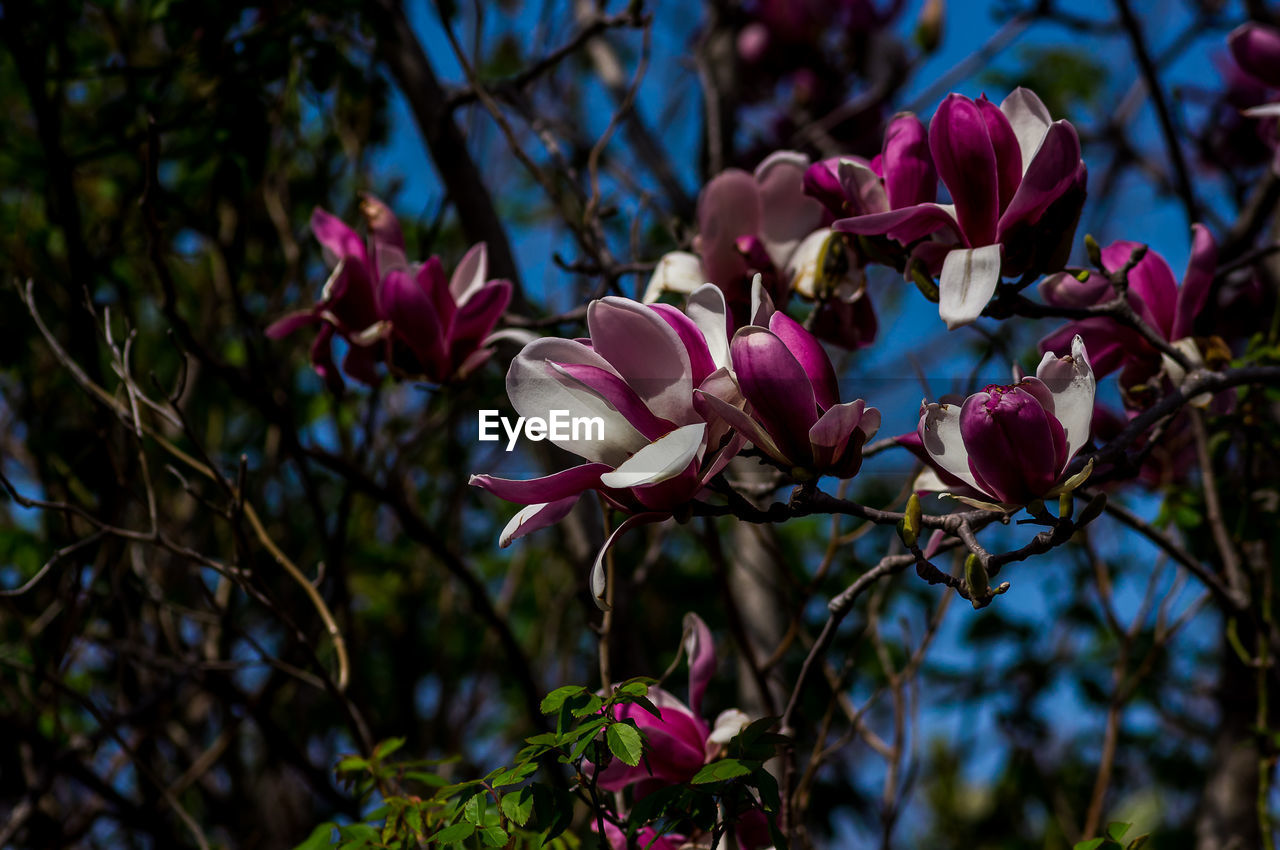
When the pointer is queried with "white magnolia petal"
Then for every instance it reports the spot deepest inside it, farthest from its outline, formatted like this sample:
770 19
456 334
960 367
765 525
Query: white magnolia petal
726 727
788 213
804 269
599 589
1030 119
535 389
471 274
1266 110
708 310
761 302
968 280
661 460
678 271
1070 380
944 443
928 481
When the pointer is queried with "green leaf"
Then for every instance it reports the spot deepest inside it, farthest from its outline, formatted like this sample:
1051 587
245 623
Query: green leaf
1091 844
518 806
590 705
625 743
634 688
719 771
387 747
551 704
458 832
320 837
473 809
494 836
514 775
352 764
1116 830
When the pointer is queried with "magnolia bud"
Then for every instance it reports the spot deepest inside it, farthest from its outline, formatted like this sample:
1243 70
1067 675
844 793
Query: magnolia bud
929 25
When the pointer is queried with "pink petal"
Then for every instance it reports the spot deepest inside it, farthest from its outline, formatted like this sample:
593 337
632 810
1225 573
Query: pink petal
812 357
728 207
1196 283
905 225
966 162
548 488
647 353
778 388
1005 144
909 175
1053 171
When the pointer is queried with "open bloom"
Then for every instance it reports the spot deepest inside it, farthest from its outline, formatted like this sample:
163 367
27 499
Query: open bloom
1013 443
1017 184
637 373
795 415
411 316
1168 309
748 224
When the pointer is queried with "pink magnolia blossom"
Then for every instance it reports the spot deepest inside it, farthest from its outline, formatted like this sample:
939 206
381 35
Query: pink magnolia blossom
646 838
678 742
637 372
1167 308
1012 443
767 224
411 316
795 414
748 224
1017 184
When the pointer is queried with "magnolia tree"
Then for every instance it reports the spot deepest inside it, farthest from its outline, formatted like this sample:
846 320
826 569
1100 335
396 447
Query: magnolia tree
575 489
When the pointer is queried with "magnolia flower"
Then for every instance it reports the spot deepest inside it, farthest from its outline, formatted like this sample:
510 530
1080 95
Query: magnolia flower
637 373
646 838
387 309
900 176
795 415
1256 49
1017 184
1012 444
1166 308
748 224
678 742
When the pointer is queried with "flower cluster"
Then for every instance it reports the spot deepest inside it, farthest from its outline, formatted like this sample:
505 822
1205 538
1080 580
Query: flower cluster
410 316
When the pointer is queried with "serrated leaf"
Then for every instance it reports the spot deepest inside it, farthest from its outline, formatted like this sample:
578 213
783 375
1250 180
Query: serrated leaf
588 705
518 806
514 775
473 809
634 688
719 771
647 705
494 836
625 743
458 832
552 702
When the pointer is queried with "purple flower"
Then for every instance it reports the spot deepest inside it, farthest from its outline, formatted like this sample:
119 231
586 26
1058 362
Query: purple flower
900 176
1012 443
637 374
795 415
413 317
646 838
1155 296
748 224
1017 185
677 742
